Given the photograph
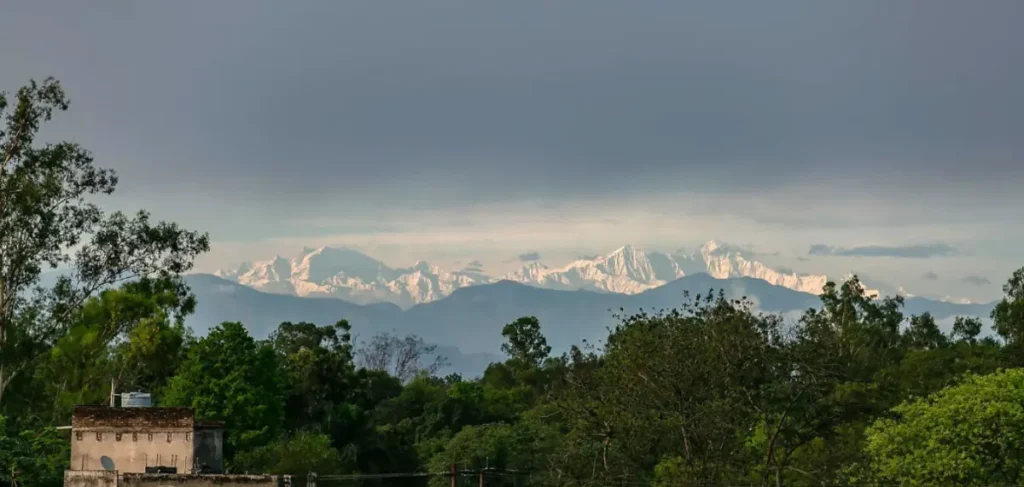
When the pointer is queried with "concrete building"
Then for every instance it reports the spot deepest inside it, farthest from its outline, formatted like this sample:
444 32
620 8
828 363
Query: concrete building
151 447
134 439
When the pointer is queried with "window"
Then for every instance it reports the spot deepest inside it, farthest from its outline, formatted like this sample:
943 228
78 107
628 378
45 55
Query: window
135 437
151 437
117 437
169 437
78 436
188 436
99 436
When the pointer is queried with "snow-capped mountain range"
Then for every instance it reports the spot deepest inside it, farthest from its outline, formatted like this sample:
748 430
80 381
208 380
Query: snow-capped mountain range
353 276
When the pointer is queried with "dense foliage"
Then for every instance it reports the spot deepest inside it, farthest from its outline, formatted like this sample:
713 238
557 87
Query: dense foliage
969 433
710 393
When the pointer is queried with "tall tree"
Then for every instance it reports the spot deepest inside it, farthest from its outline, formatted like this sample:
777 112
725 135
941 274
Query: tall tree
684 387
229 376
402 357
524 341
133 335
317 361
1008 316
923 333
47 219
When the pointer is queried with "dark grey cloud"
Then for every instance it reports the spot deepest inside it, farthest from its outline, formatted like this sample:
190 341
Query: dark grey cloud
265 104
930 276
976 280
529 256
905 251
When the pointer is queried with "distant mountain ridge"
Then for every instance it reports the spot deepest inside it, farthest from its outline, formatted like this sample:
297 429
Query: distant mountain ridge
468 322
353 276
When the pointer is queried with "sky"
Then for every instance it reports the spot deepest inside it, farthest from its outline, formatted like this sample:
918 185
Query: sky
873 136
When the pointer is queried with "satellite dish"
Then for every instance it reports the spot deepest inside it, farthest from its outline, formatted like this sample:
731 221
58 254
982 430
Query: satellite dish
108 463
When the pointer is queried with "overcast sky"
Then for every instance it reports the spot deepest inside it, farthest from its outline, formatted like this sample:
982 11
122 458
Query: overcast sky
877 136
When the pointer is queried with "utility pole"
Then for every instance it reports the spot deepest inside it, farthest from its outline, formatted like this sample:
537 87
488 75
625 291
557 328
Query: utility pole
454 473
113 392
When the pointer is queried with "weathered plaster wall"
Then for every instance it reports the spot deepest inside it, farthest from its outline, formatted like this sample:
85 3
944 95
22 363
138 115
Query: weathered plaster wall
131 450
130 439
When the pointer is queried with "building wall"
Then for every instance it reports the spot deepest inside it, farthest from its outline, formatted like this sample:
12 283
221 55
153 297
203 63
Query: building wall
131 450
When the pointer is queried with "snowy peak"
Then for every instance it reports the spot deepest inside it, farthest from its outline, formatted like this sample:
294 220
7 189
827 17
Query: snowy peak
632 270
626 270
628 262
424 267
272 275
322 264
348 274
724 261
709 247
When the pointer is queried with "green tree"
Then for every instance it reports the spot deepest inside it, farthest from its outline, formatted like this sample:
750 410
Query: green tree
301 453
687 385
1008 316
47 220
968 434
506 448
320 373
133 335
849 347
966 329
528 374
524 341
32 457
229 376
923 333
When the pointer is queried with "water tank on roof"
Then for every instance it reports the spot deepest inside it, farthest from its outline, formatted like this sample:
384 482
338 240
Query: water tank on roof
136 400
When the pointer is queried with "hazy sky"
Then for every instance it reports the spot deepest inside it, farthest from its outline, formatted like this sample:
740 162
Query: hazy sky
877 136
